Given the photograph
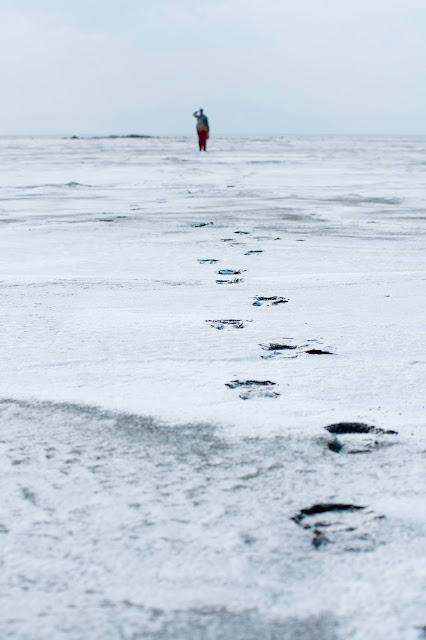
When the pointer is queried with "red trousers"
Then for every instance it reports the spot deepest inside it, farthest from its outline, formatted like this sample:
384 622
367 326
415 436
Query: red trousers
202 139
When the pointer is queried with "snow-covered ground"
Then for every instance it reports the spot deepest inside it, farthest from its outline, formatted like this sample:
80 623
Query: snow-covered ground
143 497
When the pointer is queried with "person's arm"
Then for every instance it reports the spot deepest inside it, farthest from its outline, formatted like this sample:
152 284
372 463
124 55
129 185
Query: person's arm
196 114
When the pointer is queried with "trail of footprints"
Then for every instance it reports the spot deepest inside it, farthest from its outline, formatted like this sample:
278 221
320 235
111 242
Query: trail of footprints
252 388
341 526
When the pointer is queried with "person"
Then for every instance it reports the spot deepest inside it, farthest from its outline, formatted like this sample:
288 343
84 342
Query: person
203 129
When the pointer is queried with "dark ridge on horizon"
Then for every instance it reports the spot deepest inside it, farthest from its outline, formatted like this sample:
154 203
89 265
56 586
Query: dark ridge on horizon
110 137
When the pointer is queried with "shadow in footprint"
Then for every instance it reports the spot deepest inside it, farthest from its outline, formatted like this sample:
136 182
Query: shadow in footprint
253 252
208 261
318 352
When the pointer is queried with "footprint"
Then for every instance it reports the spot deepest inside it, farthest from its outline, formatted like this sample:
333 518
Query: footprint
274 346
235 384
275 349
283 345
253 252
234 281
201 224
208 260
359 437
229 272
112 219
268 300
262 238
348 526
245 233
254 388
228 239
221 324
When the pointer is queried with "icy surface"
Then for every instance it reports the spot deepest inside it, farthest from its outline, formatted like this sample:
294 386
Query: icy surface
166 470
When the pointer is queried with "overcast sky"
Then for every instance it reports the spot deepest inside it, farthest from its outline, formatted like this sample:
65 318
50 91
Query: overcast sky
256 66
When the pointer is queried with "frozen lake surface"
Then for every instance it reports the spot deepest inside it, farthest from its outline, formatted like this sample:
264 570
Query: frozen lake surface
177 332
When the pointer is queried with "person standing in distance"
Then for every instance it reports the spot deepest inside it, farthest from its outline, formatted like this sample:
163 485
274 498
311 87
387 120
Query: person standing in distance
202 129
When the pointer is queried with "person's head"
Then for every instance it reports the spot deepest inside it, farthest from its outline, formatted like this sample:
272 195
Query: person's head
201 111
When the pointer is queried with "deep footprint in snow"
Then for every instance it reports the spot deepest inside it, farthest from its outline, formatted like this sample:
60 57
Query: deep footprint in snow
208 260
275 346
254 388
268 300
275 349
253 252
245 233
235 384
221 324
201 224
349 527
234 281
284 348
358 437
230 272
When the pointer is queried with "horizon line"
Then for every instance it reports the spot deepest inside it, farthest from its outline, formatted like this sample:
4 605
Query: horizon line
134 135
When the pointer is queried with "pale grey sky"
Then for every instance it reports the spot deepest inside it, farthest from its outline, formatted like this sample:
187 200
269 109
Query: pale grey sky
256 66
